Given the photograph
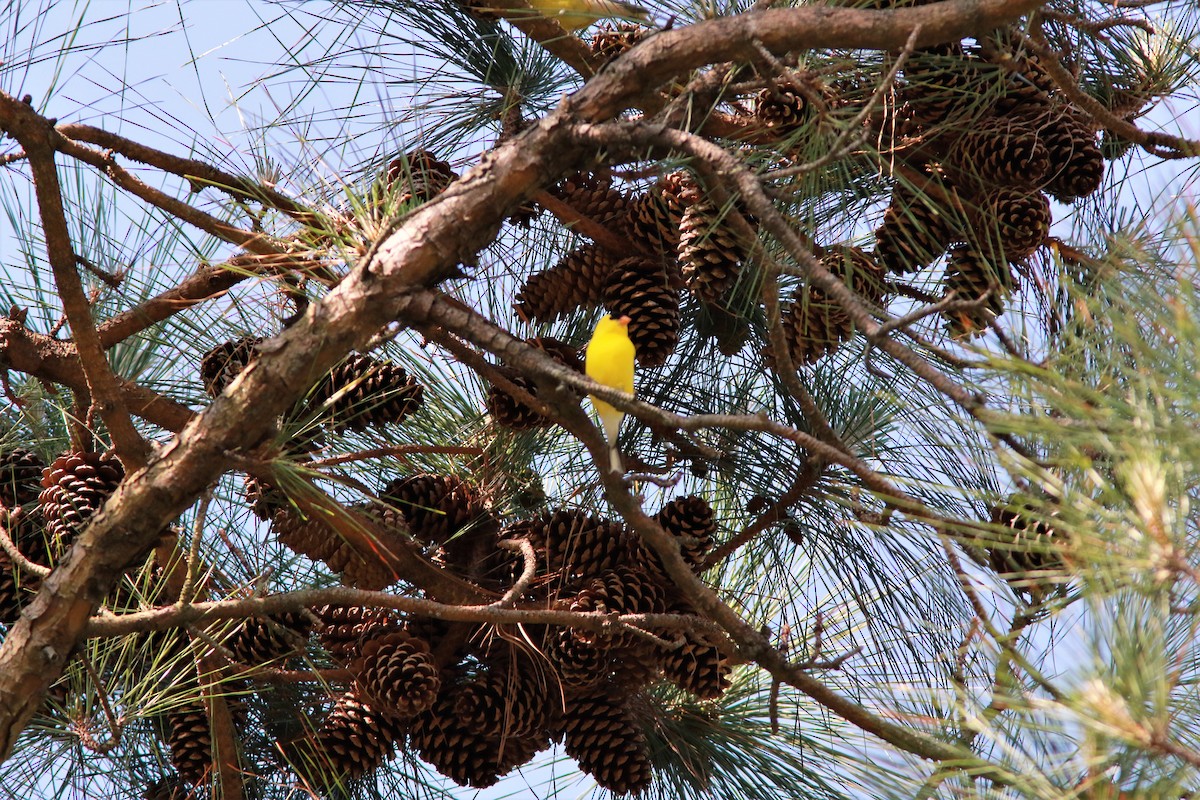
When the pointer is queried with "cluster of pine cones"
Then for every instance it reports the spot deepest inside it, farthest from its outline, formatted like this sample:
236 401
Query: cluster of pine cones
983 138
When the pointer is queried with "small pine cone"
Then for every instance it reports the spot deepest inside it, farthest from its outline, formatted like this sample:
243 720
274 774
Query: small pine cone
578 662
1080 165
220 365
914 233
20 477
941 84
859 271
369 567
353 739
167 788
654 216
698 667
397 673
1026 550
611 41
454 748
639 288
971 276
264 498
624 590
508 701
510 412
307 536
1013 223
574 542
814 326
691 519
438 507
15 591
345 627
419 176
74 488
784 107
362 392
258 640
1000 151
190 742
576 281
601 736
594 197
710 252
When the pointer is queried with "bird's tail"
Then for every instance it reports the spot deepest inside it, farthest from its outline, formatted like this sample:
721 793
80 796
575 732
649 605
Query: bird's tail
614 454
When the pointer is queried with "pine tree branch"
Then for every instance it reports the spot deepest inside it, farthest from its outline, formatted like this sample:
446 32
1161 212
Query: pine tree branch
36 134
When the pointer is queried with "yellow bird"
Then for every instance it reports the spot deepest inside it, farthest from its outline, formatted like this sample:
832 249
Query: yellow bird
609 360
575 14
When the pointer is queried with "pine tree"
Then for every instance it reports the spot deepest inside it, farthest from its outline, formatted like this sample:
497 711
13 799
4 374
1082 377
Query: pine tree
299 492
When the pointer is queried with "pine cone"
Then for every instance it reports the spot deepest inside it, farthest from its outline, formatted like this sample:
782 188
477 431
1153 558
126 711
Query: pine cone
698 667
970 276
20 477
579 663
710 253
258 640
625 590
601 735
594 197
190 742
784 107
353 739
576 281
419 176
15 591
345 627
505 701
1000 151
439 507
397 673
612 41
1012 224
915 231
691 519
858 270
1076 163
456 750
306 536
1028 552
640 289
74 488
506 409
362 392
574 542
220 365
941 84
654 216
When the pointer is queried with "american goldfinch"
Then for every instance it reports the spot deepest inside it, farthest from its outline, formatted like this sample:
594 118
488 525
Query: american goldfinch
609 360
576 14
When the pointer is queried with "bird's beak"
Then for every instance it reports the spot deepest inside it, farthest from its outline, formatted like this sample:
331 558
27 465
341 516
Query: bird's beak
625 320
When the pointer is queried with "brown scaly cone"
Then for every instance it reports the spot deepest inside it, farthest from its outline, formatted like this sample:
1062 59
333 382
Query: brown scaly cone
15 591
220 365
259 640
691 520
710 253
510 412
443 510
306 536
1027 553
1000 151
318 539
640 288
654 216
698 666
456 749
914 233
20 477
625 590
167 788
575 282
600 734
577 662
941 84
190 743
971 275
511 701
814 325
593 196
345 627
419 176
1012 224
353 739
364 392
788 105
74 488
611 41
574 542
396 673
1076 162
